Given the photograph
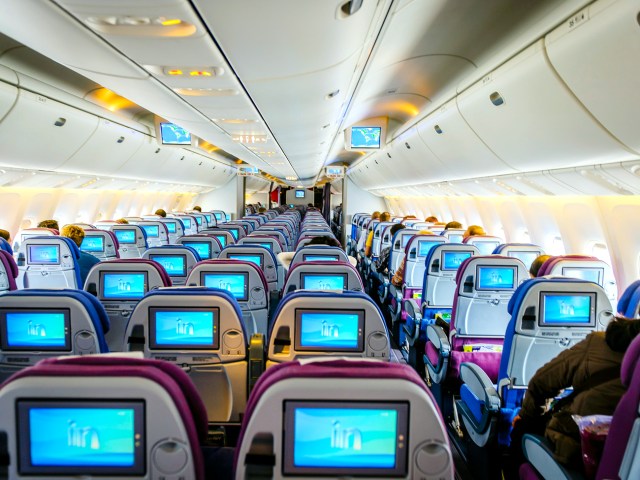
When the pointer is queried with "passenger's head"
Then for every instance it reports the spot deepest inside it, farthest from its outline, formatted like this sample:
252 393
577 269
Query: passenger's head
620 333
473 230
452 225
425 232
49 224
262 210
5 234
385 216
324 240
73 232
161 212
122 221
197 208
375 215
536 264
409 217
431 219
396 227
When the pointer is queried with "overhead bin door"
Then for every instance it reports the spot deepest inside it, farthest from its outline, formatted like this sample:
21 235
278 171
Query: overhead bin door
8 95
597 54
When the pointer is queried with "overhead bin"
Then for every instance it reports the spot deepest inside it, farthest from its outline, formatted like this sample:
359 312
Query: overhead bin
449 137
41 133
591 181
148 160
413 162
529 119
8 96
597 54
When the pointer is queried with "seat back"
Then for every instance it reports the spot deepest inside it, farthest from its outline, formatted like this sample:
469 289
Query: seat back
299 423
177 260
200 329
189 223
157 232
6 246
629 302
276 234
119 285
174 226
206 245
586 268
39 323
441 270
377 237
310 323
30 233
400 241
245 224
284 229
132 240
210 220
8 272
102 244
453 234
106 416
486 244
49 262
484 286
549 315
236 231
245 281
261 256
525 252
323 276
220 216
416 251
201 220
266 241
319 253
355 219
223 236
104 224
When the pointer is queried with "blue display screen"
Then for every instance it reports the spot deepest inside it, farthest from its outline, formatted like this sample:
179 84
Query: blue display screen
85 438
257 259
453 260
495 278
486 248
172 134
203 249
186 222
315 281
199 221
365 137
35 330
123 285
525 257
559 309
183 328
234 232
171 227
589 274
329 330
456 238
218 216
44 254
222 239
175 265
299 193
405 240
265 245
425 247
126 236
151 230
207 217
345 438
319 258
92 243
235 283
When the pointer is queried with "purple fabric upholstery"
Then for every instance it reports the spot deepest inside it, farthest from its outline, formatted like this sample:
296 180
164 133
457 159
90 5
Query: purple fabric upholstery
175 382
224 261
166 280
338 368
11 268
623 416
527 472
547 266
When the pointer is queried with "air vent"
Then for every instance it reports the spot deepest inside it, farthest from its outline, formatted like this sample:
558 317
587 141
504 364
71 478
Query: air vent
406 144
349 8
437 129
496 99
60 122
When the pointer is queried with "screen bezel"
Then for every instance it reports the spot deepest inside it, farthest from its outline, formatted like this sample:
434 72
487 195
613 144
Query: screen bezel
101 250
592 309
433 243
361 147
151 235
513 269
315 257
31 262
234 256
244 298
152 329
266 245
304 276
402 438
161 131
103 273
154 256
200 242
446 253
600 271
359 348
24 406
4 340
479 243
515 253
135 235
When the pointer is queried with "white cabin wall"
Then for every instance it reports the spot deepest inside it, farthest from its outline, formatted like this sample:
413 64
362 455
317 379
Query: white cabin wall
357 200
602 226
224 198
30 205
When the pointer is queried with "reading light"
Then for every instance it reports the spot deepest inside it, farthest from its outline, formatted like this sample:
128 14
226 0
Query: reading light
170 22
199 73
120 140
174 72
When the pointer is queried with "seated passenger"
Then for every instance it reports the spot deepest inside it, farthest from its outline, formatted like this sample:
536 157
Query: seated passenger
364 235
49 224
398 277
197 208
161 212
452 224
473 230
592 368
384 217
86 260
5 234
536 264
382 264
122 221
431 219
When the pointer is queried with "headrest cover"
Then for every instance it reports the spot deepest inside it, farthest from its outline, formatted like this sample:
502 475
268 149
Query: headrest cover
629 300
630 362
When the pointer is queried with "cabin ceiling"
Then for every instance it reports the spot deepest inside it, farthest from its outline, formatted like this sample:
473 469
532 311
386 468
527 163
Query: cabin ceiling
283 78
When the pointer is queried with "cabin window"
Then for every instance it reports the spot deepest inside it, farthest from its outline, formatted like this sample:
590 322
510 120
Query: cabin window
601 252
557 246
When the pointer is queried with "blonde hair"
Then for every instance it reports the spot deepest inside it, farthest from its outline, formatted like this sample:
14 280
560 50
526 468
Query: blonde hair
474 230
385 216
74 232
5 234
122 221
49 224
161 212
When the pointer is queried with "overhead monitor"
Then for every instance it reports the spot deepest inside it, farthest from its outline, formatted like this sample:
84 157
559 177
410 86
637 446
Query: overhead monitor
590 274
184 328
80 438
345 439
170 134
202 248
323 281
314 257
126 236
35 329
329 330
152 231
334 172
236 283
495 278
174 265
299 193
560 309
43 255
257 258
366 137
526 257
92 244
451 261
171 227
123 286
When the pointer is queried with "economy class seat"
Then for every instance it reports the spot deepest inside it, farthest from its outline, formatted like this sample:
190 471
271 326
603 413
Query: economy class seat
454 235
8 272
102 244
49 262
177 260
206 245
132 240
486 244
262 257
30 233
629 303
157 232
338 276
525 252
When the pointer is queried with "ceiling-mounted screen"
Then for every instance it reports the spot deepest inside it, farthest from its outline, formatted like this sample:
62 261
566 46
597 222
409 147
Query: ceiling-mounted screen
366 137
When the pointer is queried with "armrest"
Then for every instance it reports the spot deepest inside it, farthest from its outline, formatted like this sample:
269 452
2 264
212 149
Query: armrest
479 404
412 329
480 384
538 452
440 341
413 309
256 359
